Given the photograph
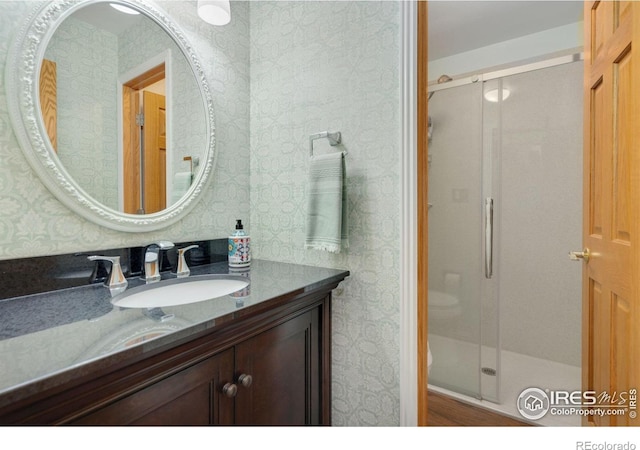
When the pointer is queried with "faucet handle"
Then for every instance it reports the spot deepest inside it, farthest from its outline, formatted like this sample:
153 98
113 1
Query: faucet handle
183 270
117 282
163 245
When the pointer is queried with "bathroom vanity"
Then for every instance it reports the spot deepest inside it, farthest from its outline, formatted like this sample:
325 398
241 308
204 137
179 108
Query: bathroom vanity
261 356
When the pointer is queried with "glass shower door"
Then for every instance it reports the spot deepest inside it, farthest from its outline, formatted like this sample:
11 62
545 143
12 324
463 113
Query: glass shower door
456 225
501 150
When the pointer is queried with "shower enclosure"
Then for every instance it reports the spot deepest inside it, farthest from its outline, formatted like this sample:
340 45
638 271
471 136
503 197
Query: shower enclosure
505 207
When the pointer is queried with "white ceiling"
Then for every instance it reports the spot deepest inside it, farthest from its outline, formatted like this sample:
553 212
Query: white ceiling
456 26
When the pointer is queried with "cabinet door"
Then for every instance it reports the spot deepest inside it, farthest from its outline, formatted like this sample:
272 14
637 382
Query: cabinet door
285 369
192 396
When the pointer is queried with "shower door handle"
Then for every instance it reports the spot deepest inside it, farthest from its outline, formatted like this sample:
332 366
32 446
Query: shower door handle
488 237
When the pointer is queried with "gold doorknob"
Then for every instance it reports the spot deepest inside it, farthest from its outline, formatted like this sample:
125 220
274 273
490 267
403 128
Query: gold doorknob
583 255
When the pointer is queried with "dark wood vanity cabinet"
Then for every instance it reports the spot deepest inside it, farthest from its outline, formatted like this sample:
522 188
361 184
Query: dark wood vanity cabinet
189 397
269 368
284 364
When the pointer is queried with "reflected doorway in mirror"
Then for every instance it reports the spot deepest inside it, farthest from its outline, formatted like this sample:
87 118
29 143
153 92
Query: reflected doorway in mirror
144 143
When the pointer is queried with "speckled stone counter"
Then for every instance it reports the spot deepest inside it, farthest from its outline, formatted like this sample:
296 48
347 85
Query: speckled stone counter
51 338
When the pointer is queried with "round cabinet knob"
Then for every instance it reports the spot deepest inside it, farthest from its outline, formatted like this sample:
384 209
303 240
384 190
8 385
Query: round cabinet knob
230 390
245 380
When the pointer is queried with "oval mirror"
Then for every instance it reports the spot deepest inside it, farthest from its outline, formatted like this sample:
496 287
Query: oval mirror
113 111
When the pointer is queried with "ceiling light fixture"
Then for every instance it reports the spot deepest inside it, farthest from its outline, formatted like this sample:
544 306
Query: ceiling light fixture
124 9
215 12
492 95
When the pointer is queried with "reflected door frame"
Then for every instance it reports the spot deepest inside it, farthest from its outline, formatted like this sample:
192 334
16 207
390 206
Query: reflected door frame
144 74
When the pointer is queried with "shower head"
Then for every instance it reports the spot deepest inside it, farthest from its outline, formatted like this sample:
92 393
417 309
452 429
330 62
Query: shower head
440 80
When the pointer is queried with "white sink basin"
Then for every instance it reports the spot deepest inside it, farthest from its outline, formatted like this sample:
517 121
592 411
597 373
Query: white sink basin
180 291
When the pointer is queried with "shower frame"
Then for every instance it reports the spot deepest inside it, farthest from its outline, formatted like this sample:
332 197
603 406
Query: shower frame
434 86
488 182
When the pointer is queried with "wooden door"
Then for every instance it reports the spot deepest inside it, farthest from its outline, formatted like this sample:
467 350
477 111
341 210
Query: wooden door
134 193
155 152
285 365
49 100
611 224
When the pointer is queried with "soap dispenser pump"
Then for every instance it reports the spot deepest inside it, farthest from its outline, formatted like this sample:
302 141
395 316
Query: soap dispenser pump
239 247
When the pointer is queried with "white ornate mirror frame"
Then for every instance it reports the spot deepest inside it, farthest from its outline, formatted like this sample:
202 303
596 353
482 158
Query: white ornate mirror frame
22 72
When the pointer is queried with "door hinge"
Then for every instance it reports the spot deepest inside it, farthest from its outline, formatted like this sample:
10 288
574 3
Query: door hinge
140 120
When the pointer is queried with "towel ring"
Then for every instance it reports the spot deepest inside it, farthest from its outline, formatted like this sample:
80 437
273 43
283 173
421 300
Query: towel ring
334 139
193 162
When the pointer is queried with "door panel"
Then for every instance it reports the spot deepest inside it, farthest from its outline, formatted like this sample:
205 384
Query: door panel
622 83
596 158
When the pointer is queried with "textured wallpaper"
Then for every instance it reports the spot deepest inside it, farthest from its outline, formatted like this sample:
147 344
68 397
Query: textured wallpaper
86 74
335 66
34 223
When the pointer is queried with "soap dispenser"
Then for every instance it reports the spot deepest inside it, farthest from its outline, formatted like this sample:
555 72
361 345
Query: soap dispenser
239 247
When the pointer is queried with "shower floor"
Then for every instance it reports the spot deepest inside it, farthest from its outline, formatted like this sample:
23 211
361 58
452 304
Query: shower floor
517 373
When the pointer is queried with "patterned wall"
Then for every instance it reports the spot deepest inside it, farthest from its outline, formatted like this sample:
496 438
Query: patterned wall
86 74
34 223
335 66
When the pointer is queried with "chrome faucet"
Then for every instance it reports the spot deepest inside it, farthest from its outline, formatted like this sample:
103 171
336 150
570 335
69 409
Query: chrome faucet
116 283
153 260
183 269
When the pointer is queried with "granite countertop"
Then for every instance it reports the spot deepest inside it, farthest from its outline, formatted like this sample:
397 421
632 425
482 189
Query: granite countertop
53 333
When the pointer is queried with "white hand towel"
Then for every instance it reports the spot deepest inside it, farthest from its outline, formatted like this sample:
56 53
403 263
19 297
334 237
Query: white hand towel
326 204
